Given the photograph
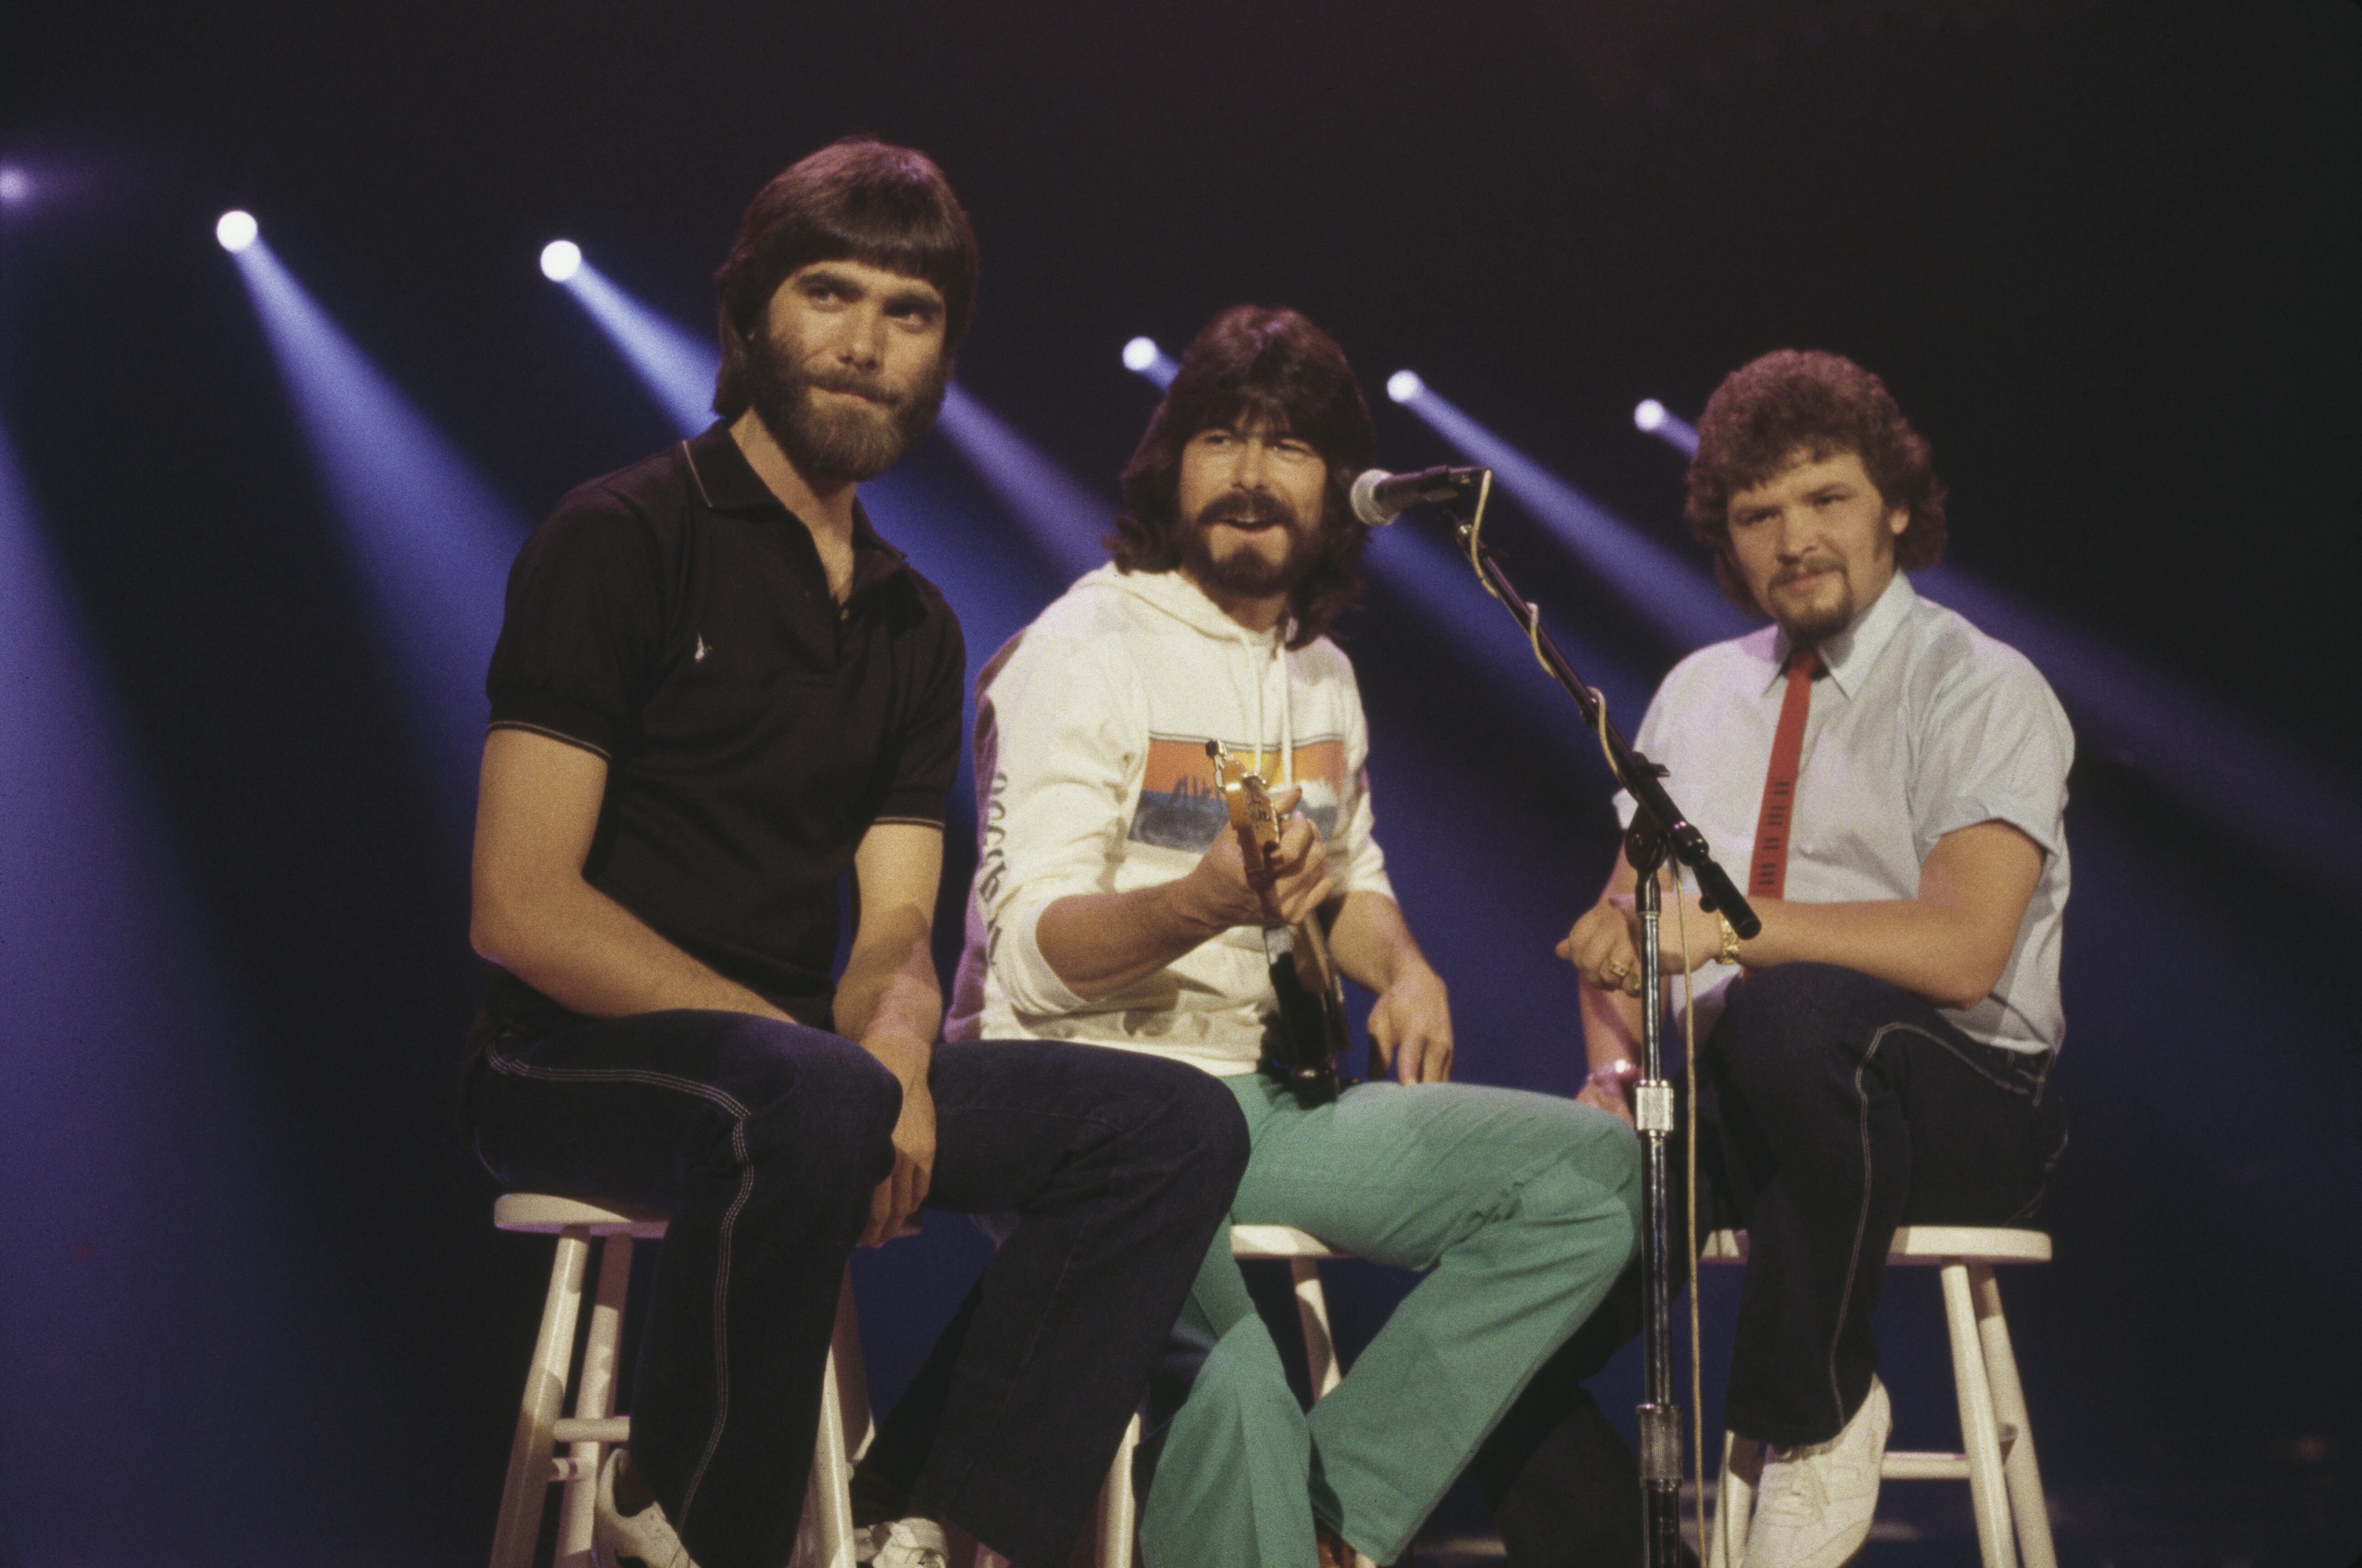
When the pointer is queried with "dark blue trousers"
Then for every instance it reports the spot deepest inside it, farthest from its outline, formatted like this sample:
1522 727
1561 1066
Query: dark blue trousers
1833 1108
764 1141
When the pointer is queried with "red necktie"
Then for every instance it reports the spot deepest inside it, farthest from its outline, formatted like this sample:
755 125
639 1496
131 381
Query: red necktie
1769 867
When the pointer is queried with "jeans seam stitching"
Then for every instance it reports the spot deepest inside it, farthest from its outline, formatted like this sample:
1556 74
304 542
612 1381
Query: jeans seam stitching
2022 1092
1861 1221
722 1319
705 1091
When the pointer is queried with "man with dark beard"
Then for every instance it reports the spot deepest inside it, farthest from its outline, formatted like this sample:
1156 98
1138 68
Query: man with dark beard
716 690
1112 907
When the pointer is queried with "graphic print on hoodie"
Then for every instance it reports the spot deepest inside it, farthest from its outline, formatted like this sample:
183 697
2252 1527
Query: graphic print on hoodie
1181 807
1090 741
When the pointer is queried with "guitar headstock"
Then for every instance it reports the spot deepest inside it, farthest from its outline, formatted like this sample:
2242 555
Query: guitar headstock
1246 798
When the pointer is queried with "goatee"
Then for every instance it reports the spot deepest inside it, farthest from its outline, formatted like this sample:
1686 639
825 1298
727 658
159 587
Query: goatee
1814 621
838 442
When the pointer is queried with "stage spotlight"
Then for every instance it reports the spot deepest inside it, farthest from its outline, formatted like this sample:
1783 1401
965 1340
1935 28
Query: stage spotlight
1655 419
1664 590
560 260
1405 385
677 367
1142 357
237 230
15 186
430 539
1062 516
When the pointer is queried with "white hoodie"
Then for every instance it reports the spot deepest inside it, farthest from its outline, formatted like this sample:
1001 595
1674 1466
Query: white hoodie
1090 751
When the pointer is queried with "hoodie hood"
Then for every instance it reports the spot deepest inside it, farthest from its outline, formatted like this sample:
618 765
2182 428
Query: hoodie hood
1171 594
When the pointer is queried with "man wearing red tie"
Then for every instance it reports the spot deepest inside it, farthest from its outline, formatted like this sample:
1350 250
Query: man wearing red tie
1879 1054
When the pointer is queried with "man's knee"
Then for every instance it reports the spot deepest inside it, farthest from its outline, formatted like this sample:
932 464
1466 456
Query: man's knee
1574 1213
1202 1124
1594 1194
820 1099
1176 1118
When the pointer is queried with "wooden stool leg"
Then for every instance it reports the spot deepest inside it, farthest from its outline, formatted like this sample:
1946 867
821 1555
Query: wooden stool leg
1734 1501
1979 1434
2026 1499
526 1491
824 1538
852 1375
1119 1512
594 1399
1312 1311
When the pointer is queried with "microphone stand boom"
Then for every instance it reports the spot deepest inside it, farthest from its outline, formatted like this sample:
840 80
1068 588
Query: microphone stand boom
1657 830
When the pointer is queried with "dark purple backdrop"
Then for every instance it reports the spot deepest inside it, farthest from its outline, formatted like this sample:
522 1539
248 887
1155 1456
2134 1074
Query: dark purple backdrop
253 1310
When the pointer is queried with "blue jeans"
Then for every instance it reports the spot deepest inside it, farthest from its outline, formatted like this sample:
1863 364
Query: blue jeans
764 1141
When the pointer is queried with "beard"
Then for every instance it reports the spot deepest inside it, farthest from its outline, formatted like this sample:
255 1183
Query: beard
1246 573
1810 622
837 444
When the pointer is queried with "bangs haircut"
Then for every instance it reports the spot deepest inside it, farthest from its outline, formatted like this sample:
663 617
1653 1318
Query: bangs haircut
1806 406
1256 368
856 200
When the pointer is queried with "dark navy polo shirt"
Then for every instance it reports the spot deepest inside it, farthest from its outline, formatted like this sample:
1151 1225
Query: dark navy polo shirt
674 617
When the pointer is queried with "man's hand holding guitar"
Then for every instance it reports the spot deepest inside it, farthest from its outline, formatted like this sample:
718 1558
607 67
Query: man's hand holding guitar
1286 889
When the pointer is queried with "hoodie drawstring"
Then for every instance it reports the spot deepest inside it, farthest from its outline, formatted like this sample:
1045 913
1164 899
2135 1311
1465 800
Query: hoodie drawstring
1279 660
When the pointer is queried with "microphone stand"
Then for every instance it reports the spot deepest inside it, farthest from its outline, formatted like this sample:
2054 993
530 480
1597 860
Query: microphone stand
1657 830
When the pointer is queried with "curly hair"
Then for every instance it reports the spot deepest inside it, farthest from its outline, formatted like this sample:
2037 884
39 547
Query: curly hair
1257 365
855 200
1805 405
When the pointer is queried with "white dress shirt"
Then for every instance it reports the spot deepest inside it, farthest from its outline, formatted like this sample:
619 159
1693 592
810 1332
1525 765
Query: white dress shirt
1922 725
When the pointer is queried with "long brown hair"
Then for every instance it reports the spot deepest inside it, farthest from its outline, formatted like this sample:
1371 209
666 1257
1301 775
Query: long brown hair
1257 365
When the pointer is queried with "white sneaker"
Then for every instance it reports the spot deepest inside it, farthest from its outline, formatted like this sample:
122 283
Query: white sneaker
902 1543
1814 1505
644 1539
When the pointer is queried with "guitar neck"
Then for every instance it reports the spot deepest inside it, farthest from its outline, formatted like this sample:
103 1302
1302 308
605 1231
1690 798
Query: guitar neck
1315 939
1308 931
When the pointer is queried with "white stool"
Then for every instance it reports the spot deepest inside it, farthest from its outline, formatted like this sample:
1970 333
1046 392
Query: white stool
2003 1483
1119 1510
825 1538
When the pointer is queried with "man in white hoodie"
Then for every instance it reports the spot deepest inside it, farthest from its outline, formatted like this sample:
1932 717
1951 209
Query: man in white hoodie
1112 907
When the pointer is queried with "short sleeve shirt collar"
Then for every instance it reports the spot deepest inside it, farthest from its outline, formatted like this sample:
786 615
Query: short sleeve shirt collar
1847 656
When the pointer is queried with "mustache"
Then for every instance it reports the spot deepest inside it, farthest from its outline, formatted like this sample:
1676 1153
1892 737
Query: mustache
872 388
1802 569
1246 506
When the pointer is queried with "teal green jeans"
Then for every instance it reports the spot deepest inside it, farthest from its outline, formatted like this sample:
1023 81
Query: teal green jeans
1521 1207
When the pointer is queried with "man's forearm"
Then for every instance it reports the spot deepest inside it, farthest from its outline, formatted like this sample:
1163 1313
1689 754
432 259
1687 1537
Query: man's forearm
1370 941
1611 1027
889 1000
1926 949
1949 944
1101 942
588 953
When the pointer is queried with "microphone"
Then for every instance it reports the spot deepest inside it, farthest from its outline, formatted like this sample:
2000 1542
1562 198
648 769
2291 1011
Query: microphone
1379 496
